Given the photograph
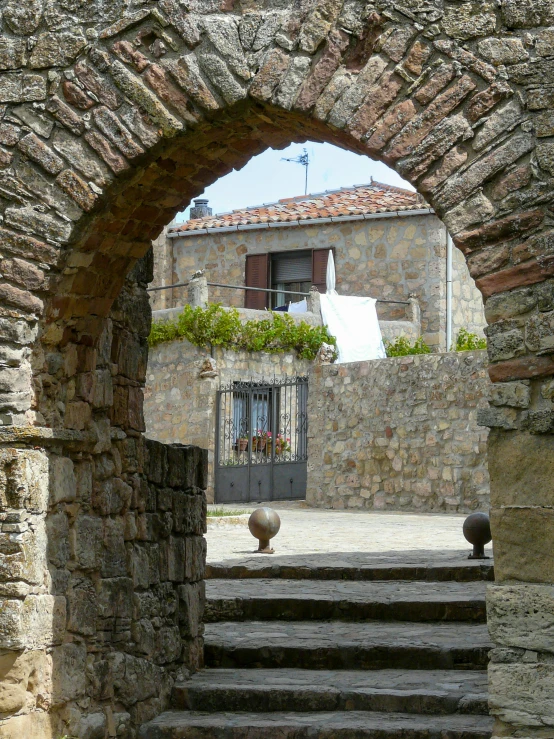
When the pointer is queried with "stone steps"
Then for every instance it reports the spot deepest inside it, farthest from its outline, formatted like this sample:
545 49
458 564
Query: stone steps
404 691
340 645
301 600
324 725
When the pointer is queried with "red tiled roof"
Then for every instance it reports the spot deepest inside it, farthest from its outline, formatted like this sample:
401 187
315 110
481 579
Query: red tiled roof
348 201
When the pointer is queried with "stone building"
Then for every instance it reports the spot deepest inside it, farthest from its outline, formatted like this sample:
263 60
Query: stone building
112 119
387 243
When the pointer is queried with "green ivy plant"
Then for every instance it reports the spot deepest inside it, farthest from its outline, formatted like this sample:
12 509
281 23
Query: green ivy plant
401 347
468 342
217 326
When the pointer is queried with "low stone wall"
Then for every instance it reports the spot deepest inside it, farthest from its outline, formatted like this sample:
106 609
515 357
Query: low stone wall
399 434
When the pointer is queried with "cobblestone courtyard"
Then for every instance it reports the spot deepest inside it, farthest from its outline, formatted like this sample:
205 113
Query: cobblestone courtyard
309 531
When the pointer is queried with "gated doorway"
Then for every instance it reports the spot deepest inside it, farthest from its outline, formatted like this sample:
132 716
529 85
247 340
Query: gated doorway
261 446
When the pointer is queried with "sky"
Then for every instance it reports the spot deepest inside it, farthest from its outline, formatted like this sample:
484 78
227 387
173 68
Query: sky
266 178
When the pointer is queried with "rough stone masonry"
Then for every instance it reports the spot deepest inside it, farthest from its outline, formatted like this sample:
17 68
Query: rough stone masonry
113 115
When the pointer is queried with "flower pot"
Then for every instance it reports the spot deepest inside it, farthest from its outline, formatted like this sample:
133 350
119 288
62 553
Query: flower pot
243 445
258 444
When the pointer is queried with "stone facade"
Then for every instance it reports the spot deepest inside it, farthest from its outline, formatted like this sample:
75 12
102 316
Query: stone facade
180 396
399 434
113 118
391 258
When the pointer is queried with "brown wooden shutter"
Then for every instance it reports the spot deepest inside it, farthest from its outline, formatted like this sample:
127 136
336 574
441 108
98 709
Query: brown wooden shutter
257 275
319 268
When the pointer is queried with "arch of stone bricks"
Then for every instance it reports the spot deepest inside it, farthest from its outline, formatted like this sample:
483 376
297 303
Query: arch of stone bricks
111 119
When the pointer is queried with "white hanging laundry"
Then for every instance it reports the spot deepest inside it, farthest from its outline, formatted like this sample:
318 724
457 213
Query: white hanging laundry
353 322
330 275
300 307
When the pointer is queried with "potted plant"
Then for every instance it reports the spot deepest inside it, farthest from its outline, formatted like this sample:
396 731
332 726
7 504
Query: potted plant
282 444
243 443
259 440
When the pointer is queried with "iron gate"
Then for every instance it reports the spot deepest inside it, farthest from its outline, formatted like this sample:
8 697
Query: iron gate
261 447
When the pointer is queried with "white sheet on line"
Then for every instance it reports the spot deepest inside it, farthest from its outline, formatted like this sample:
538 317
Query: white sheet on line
300 307
354 323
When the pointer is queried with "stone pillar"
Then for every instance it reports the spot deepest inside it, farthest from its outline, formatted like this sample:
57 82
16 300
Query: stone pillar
314 301
520 604
413 312
198 290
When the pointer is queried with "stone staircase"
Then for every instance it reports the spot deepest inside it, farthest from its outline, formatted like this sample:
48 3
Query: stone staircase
338 650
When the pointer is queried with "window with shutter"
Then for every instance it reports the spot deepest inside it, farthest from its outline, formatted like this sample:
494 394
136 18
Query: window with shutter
291 273
319 268
257 275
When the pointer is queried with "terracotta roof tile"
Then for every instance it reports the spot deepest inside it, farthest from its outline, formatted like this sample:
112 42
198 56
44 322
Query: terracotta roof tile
358 200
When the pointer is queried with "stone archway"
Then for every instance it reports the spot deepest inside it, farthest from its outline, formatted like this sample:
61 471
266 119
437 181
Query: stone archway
113 119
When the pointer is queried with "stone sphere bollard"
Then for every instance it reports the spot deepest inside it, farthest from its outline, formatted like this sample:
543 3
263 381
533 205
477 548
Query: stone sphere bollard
264 524
477 530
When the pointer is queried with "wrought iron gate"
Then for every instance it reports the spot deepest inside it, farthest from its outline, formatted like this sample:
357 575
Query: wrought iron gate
261 446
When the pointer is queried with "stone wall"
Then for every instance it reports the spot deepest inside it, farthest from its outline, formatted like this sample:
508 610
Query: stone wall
101 547
385 258
179 400
399 434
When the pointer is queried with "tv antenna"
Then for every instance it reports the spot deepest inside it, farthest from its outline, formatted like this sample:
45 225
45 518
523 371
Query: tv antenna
304 160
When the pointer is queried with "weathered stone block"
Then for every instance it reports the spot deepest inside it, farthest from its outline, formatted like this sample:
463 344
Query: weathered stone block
34 623
87 542
521 469
23 473
506 345
539 333
503 50
521 694
63 485
69 666
195 558
57 530
521 539
82 606
15 88
26 678
192 598
503 418
115 598
57 49
114 556
522 616
513 394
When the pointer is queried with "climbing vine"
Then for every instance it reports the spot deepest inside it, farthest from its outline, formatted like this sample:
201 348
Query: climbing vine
401 347
217 326
468 342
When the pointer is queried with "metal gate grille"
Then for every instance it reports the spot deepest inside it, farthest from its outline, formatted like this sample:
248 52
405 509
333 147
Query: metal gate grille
261 448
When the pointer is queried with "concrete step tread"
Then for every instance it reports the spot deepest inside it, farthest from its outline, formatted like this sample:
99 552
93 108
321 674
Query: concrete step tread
413 691
315 634
339 645
441 681
339 590
287 725
297 600
412 565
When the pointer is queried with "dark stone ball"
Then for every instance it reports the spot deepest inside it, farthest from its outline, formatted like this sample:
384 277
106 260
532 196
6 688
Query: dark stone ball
477 529
264 523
